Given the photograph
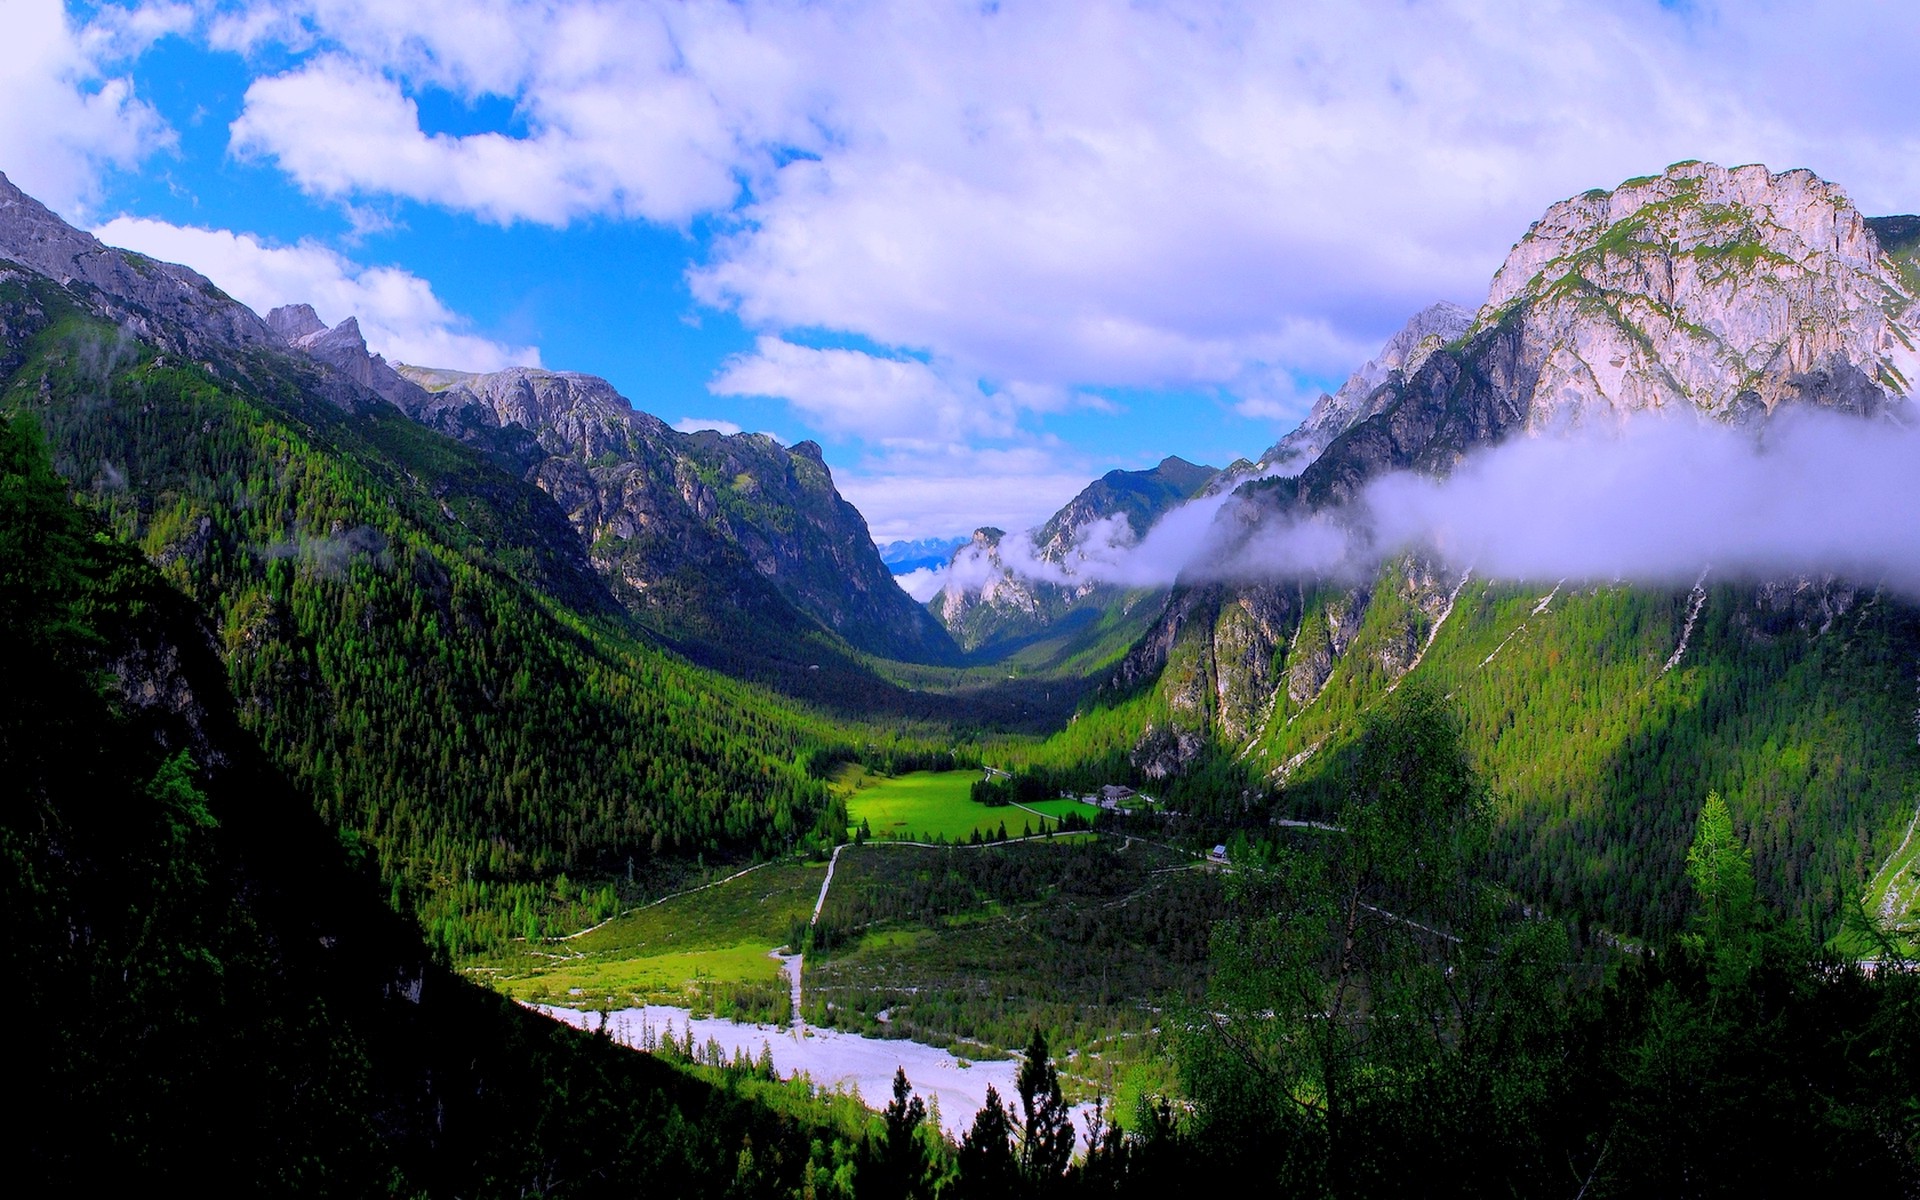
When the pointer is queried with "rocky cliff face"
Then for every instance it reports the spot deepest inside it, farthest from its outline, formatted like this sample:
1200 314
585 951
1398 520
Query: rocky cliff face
710 536
1725 293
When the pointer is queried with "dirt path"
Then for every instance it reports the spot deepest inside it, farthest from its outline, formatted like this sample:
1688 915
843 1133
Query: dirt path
567 937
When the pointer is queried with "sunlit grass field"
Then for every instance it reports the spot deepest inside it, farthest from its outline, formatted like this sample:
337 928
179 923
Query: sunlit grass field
920 806
925 806
1059 808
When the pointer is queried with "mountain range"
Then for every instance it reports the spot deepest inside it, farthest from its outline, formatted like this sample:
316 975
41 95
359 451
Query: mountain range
1601 710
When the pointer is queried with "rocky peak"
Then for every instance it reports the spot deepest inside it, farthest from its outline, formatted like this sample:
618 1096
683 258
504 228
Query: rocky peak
130 289
750 521
569 412
1722 290
1429 329
344 348
296 321
1139 497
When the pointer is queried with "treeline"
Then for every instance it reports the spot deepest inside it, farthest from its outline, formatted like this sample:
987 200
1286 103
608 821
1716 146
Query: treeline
1384 1021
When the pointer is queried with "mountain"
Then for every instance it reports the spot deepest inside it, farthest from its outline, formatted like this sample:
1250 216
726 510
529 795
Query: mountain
1602 712
413 632
903 557
718 542
1429 329
164 305
993 609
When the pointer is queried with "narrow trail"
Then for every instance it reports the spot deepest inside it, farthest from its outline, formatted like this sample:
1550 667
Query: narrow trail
825 884
567 937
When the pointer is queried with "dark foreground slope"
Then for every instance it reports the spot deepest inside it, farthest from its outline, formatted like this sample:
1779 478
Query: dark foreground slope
204 993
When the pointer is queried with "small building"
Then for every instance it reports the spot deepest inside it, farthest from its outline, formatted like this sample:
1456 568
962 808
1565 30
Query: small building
1218 855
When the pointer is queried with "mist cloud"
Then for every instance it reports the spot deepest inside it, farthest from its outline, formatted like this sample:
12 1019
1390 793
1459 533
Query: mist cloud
1655 502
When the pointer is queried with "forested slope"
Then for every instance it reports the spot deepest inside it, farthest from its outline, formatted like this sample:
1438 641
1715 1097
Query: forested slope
209 998
405 635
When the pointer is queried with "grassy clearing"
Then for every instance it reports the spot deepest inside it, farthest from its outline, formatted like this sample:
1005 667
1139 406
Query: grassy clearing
707 950
927 806
920 806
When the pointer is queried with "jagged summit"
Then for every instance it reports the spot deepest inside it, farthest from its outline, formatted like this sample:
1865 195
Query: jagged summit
701 531
344 348
1428 330
163 303
1726 290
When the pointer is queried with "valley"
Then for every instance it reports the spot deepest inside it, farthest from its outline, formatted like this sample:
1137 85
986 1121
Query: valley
1216 810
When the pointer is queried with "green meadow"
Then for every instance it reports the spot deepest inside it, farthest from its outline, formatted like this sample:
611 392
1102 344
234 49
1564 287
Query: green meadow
707 950
920 806
927 806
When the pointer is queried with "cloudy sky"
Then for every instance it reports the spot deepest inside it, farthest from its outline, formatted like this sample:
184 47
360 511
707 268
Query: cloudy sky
981 251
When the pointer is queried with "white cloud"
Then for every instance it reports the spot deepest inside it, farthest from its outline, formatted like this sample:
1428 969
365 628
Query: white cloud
1092 194
1655 502
923 583
398 311
615 121
67 115
874 398
696 424
947 491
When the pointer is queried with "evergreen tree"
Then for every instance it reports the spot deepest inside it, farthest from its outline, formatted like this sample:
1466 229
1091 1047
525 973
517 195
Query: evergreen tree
1046 1143
1721 869
901 1164
989 1169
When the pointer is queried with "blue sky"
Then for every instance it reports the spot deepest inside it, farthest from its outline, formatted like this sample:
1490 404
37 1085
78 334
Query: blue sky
982 253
